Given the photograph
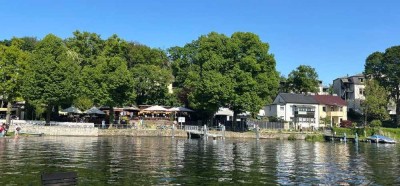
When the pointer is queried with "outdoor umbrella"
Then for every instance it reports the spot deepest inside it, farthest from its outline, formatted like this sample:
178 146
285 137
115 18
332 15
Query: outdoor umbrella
155 109
94 110
180 109
72 110
132 108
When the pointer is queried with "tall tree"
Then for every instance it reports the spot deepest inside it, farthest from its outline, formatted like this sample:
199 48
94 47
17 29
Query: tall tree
385 68
375 103
235 72
303 80
87 45
151 84
52 76
13 62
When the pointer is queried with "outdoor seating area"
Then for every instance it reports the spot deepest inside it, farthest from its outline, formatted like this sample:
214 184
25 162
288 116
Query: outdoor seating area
124 117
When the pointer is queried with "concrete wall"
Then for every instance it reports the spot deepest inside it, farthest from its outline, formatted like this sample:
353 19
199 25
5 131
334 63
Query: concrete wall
58 130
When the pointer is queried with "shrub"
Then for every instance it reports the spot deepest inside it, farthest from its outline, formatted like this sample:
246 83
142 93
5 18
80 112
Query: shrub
291 137
346 124
315 137
375 123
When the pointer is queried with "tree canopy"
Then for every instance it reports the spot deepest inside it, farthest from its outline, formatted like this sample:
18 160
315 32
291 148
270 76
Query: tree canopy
219 71
303 80
385 69
213 71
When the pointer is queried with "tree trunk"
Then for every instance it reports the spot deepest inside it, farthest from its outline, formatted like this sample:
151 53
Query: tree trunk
398 113
234 120
8 114
48 114
111 116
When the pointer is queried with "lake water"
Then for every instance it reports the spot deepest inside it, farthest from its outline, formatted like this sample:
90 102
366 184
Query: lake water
178 161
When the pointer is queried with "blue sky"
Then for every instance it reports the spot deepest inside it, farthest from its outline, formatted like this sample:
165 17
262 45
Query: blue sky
333 36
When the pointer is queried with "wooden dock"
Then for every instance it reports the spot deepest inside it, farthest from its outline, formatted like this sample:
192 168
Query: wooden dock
202 132
329 136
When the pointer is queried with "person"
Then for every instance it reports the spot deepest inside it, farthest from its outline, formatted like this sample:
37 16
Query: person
17 129
2 129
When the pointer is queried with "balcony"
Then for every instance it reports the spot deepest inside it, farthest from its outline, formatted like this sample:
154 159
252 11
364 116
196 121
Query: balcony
335 113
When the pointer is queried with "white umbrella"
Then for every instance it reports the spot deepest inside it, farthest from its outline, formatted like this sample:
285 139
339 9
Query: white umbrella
155 108
180 109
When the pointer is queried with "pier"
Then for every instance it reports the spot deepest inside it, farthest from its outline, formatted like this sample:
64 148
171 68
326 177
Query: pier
203 132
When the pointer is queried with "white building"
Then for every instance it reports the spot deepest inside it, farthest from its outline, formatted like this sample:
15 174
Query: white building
351 89
301 111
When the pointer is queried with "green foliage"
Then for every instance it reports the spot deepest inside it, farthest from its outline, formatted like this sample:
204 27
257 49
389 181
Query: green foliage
315 137
52 74
83 103
385 69
376 101
303 80
215 70
375 123
326 120
292 137
151 84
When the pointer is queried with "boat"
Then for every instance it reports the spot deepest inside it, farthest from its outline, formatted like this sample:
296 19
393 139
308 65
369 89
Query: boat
380 139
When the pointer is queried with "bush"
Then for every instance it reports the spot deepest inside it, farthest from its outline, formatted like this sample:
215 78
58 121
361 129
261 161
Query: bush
291 137
346 124
375 123
315 137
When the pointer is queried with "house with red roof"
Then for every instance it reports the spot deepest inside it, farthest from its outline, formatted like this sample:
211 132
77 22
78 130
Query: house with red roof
331 107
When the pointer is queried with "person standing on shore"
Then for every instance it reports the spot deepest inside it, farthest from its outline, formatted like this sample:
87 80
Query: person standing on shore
17 129
2 129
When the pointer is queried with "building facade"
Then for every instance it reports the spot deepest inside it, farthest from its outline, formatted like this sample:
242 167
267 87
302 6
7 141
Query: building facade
333 108
351 89
301 111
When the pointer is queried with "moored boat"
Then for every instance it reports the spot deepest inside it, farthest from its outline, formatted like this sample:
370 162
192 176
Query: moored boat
380 139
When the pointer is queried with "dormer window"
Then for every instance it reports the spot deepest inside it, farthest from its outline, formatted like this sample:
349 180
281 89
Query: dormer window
361 79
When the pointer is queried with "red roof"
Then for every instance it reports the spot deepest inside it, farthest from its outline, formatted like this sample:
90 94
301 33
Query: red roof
330 100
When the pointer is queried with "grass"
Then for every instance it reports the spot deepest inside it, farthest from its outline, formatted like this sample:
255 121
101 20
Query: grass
315 137
365 132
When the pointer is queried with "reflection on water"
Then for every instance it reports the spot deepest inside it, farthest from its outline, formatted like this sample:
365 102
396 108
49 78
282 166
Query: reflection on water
166 161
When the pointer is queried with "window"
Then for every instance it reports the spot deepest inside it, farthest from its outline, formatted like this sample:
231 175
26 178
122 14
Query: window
282 108
340 109
324 109
361 91
361 79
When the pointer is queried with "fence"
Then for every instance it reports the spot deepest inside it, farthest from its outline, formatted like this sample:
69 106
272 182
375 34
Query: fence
52 123
265 125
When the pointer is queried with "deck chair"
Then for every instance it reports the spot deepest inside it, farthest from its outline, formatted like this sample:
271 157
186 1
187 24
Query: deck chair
59 178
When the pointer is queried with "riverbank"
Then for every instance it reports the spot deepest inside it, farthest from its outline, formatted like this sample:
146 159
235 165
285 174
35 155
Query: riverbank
79 131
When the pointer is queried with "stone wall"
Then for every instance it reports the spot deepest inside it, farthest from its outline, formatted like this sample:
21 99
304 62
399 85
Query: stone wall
134 132
58 130
90 131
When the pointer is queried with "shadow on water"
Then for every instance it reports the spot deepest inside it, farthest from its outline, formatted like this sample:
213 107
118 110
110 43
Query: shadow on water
173 161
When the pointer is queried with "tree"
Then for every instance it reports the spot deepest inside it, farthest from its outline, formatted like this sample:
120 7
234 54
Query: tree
235 72
303 80
52 76
385 69
12 70
151 84
87 45
375 102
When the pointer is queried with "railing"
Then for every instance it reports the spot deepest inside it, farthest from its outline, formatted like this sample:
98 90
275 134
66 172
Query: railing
265 125
191 127
52 123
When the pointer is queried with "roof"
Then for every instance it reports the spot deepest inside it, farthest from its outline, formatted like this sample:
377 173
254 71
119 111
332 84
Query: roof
330 100
298 98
